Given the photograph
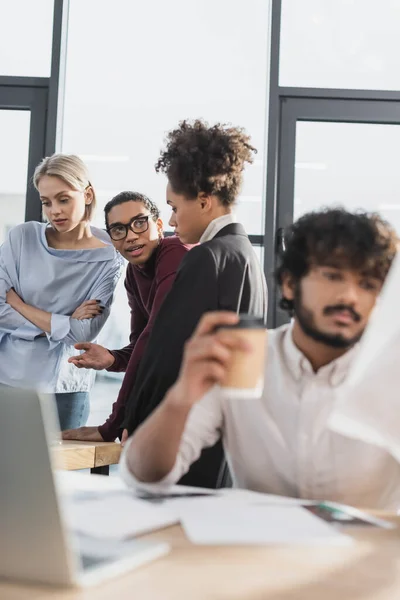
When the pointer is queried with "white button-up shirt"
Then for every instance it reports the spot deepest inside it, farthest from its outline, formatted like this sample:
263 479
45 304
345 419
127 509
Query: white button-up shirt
215 226
281 443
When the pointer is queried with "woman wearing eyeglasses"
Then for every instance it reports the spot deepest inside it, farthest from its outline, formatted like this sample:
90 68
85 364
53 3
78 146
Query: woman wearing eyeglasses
134 225
57 281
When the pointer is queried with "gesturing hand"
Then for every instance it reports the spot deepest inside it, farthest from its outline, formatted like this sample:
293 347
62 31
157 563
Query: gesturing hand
87 310
95 357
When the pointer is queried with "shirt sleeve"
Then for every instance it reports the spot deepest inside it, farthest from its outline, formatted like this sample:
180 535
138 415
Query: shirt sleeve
165 276
112 427
138 323
203 429
71 331
11 322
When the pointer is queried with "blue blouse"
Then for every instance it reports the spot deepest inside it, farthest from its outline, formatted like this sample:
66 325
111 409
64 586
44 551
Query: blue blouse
56 281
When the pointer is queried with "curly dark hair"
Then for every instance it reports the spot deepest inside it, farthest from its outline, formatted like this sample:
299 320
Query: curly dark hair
361 241
199 158
123 197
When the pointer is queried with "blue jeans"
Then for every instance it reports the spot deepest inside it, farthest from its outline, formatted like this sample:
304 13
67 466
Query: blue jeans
73 409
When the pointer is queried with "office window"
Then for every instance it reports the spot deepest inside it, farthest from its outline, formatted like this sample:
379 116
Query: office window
340 44
354 165
135 69
26 30
14 148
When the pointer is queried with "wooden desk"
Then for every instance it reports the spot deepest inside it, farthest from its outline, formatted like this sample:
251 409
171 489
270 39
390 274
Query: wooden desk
96 456
369 569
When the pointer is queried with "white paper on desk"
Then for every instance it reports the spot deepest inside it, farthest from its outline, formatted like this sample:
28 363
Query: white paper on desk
73 483
218 522
251 497
368 404
230 496
116 516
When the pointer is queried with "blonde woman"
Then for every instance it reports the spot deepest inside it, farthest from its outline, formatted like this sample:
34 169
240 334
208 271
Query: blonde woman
57 281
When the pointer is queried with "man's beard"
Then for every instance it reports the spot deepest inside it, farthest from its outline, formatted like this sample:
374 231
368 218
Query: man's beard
305 318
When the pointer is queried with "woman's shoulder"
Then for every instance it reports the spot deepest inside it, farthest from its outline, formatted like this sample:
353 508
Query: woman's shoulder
199 253
101 234
118 265
30 230
29 226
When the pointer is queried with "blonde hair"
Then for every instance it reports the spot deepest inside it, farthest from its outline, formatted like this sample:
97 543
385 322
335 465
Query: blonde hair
72 170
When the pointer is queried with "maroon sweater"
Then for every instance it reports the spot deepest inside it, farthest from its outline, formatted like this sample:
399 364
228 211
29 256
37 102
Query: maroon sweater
146 287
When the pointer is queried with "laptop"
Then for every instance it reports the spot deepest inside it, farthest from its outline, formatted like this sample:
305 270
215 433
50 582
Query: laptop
35 544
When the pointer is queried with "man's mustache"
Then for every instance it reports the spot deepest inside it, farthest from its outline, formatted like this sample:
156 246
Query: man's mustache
330 310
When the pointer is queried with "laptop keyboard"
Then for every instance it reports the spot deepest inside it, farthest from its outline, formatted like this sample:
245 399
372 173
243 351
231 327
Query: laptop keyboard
88 562
94 552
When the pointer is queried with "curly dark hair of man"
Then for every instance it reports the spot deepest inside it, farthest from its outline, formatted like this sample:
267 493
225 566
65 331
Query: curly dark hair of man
358 241
123 197
199 158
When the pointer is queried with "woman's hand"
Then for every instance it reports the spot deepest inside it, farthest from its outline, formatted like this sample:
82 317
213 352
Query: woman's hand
13 299
87 310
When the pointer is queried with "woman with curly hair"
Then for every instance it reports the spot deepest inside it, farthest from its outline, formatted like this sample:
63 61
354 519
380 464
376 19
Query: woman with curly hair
204 166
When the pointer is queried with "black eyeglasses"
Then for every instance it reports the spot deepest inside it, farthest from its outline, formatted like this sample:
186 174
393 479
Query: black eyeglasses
137 225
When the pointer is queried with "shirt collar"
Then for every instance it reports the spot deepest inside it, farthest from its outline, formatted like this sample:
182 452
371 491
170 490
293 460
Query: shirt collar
333 373
216 225
85 255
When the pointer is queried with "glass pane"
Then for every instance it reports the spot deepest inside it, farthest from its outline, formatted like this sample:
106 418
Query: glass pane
103 394
340 44
166 67
14 150
26 30
116 331
354 165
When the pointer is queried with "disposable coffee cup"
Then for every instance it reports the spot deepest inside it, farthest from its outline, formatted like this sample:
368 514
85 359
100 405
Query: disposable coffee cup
245 376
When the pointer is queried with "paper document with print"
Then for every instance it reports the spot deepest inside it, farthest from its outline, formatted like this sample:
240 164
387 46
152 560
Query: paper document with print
226 521
116 516
88 485
368 403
